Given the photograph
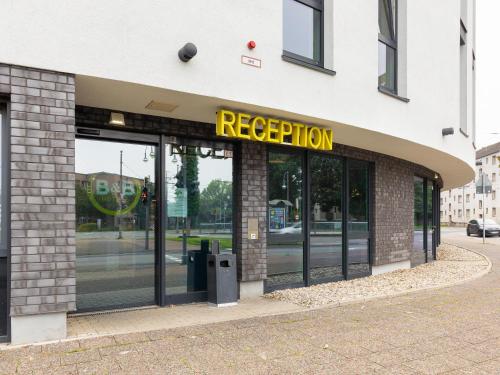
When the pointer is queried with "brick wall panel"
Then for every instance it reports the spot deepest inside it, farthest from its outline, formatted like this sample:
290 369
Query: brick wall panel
34 196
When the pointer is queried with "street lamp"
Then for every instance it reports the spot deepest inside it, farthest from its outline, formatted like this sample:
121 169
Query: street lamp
121 197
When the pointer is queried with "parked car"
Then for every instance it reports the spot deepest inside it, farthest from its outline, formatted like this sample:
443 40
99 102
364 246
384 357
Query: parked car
490 227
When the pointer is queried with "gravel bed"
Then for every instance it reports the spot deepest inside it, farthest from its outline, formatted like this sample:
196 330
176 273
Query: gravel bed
454 264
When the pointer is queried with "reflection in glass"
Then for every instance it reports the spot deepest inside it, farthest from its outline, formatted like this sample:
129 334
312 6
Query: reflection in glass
2 234
301 30
418 253
198 186
285 242
115 225
386 66
357 223
3 297
430 221
326 218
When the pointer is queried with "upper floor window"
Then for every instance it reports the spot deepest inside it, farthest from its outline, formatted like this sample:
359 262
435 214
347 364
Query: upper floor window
387 44
303 29
463 79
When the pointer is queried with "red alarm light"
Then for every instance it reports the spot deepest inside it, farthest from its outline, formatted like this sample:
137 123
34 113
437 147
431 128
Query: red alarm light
251 44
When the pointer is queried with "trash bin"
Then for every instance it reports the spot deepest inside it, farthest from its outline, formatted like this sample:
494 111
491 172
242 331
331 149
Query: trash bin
197 268
221 280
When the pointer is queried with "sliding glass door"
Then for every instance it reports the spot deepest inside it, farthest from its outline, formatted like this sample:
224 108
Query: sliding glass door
115 224
142 242
198 210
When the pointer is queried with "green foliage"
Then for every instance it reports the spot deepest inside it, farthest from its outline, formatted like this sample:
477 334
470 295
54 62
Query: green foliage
215 202
188 177
225 243
87 227
326 183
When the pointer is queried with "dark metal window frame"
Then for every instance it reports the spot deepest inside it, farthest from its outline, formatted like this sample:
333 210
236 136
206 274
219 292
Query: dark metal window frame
5 220
435 214
317 5
392 43
159 140
305 156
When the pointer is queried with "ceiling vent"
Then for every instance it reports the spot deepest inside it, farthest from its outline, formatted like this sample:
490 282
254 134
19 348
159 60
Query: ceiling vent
160 106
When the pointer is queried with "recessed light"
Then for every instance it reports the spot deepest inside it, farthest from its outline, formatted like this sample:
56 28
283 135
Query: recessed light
160 106
117 119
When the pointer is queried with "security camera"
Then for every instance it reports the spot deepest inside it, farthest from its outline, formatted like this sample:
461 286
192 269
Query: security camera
187 52
448 131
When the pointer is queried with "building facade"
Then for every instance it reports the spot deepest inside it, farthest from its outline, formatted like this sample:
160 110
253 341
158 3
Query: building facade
134 134
465 203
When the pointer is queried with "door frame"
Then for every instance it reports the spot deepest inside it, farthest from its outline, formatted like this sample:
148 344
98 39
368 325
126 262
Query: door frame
160 141
6 199
107 135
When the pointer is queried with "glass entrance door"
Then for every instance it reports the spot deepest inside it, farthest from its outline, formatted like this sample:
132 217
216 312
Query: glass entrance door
115 188
198 210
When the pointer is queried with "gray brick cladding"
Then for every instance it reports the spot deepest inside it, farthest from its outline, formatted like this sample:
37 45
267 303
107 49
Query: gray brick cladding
252 198
42 116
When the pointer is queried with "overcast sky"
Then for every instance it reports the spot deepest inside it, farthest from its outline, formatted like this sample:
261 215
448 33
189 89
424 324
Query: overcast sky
488 71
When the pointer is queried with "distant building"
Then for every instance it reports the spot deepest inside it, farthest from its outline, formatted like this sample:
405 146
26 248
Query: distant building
462 204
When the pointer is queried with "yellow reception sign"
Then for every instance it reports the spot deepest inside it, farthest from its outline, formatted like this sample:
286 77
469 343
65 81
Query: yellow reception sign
264 129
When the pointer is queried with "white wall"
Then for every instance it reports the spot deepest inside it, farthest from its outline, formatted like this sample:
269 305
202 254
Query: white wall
107 43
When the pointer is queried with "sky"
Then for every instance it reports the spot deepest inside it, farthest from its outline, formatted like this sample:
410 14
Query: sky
488 71
98 156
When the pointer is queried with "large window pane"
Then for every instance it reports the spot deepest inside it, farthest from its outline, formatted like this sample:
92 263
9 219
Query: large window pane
418 253
3 224
199 209
358 220
386 66
115 224
301 30
3 232
285 241
326 218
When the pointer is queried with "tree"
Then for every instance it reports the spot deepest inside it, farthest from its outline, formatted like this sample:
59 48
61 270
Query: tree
187 177
216 201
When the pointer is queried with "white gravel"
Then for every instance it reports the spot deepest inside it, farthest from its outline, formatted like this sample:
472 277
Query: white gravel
454 264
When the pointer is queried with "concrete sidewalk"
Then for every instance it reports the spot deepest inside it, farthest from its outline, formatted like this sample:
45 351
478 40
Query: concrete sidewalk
155 318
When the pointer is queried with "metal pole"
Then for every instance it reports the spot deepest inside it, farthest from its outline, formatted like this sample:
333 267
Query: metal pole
184 181
146 219
484 203
121 197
